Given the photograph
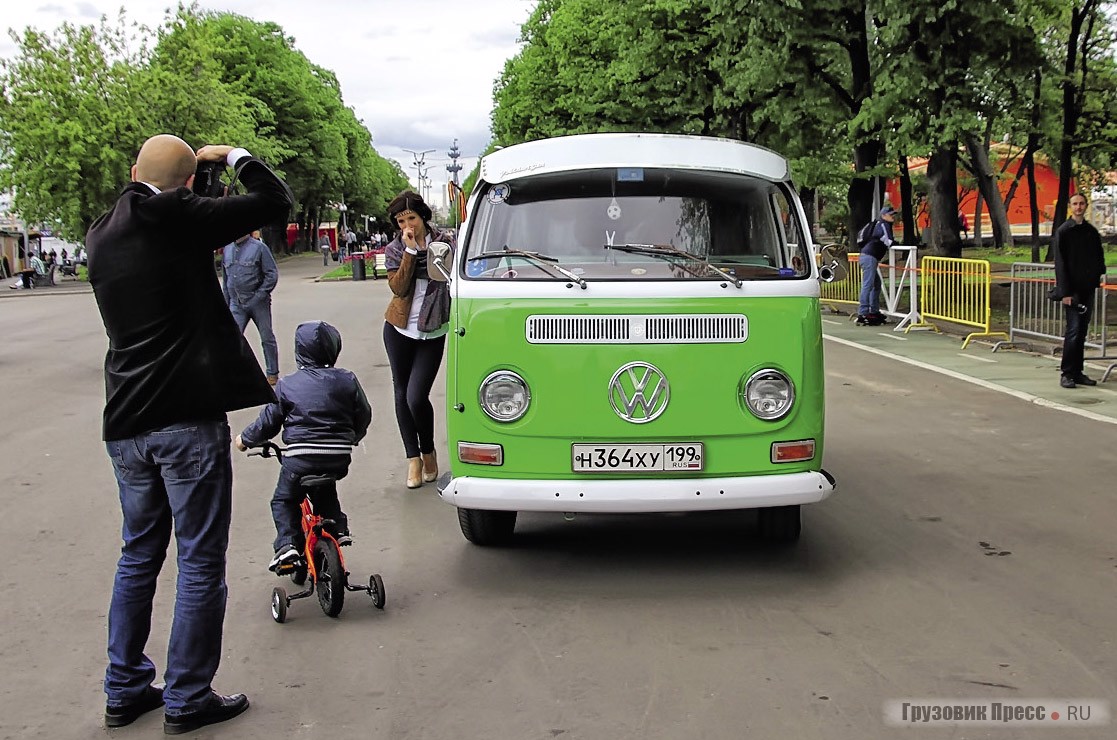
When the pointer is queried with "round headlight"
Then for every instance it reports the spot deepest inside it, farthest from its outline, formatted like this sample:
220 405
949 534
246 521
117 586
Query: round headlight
504 396
769 394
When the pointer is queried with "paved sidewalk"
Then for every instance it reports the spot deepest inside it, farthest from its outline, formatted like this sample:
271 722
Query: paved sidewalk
63 286
1029 376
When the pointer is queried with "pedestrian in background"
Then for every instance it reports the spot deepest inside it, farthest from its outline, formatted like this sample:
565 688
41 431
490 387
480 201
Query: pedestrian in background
176 364
324 245
1079 266
250 275
350 242
874 239
415 326
963 224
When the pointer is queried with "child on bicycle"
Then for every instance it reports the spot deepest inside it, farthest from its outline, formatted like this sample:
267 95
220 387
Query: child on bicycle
324 413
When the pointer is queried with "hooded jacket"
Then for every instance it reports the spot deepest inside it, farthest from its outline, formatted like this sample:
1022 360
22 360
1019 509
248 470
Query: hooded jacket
321 409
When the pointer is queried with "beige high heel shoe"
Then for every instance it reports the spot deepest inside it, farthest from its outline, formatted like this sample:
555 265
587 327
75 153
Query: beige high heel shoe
414 472
430 468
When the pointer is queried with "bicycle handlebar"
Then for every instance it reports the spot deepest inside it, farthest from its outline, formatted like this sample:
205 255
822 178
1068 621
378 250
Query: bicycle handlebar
269 449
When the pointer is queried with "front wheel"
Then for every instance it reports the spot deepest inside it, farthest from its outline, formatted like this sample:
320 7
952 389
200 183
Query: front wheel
279 605
487 528
330 582
779 524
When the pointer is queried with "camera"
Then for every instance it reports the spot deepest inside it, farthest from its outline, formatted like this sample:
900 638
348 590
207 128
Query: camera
207 179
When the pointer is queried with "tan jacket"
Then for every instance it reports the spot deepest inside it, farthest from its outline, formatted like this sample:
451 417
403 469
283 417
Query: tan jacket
402 280
402 283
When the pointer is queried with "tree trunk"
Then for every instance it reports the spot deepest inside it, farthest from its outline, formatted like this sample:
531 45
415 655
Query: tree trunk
987 185
1071 112
910 236
942 192
807 198
979 202
1033 142
866 156
1033 201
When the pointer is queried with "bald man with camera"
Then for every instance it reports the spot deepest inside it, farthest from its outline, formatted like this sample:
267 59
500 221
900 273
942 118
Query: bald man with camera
176 364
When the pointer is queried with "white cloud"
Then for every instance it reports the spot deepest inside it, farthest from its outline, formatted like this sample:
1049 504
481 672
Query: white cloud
418 74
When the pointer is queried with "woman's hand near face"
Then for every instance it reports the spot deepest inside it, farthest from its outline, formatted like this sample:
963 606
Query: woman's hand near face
409 237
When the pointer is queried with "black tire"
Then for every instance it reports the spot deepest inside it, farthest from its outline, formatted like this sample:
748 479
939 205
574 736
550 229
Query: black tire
376 590
487 528
779 524
279 604
330 583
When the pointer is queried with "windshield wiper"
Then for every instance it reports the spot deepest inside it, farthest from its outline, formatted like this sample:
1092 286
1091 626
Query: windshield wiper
542 260
664 250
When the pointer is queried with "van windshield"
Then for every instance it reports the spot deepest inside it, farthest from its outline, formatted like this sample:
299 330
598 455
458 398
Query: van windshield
742 227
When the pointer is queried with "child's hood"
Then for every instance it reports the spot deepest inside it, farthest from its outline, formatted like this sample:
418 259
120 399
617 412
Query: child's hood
317 344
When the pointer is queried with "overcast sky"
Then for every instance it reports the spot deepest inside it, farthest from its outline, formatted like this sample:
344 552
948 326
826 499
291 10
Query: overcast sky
418 74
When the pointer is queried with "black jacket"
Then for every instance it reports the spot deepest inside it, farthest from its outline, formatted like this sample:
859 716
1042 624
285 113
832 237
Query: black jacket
322 409
175 353
1079 260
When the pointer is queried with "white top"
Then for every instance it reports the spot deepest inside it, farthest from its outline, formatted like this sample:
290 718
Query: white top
599 151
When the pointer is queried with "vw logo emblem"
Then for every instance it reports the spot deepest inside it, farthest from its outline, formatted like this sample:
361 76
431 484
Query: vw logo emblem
639 392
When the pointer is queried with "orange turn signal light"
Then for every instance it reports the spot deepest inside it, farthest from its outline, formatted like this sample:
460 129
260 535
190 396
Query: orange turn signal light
797 451
480 454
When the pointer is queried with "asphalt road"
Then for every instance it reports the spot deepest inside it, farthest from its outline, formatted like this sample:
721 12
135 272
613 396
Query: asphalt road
968 553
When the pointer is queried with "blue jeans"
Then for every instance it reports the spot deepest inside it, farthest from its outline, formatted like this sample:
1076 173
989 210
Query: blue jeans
870 285
260 314
178 475
289 496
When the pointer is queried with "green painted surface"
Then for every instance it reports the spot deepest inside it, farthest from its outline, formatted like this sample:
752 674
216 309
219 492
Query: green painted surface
570 395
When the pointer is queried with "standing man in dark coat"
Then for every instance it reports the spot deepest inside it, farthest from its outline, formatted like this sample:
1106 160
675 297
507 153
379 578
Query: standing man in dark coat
176 364
1079 265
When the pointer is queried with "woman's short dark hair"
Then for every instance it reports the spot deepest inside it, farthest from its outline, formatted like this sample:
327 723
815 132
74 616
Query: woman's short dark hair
409 200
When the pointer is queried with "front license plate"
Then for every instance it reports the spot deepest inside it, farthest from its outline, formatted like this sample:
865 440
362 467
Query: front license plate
672 457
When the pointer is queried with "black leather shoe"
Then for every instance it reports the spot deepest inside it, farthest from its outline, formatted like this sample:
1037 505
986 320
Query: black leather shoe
151 698
1083 380
218 709
1066 382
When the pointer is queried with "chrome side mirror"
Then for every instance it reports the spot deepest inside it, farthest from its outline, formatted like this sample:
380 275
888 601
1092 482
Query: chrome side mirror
832 264
437 254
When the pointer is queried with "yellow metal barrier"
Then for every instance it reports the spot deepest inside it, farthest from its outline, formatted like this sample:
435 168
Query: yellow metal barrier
955 290
845 291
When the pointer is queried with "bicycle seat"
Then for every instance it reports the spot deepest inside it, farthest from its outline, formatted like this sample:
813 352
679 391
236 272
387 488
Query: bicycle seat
310 481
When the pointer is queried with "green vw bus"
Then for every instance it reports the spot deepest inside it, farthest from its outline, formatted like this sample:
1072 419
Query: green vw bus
635 328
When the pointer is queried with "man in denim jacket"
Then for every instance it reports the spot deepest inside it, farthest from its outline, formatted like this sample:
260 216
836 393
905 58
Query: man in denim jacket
250 277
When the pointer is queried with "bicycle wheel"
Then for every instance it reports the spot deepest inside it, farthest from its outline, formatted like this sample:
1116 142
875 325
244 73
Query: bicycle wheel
331 577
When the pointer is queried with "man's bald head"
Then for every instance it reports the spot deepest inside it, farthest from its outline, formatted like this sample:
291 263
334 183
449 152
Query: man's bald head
165 161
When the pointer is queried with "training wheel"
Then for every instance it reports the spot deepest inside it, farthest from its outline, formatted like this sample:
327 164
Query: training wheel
279 604
376 590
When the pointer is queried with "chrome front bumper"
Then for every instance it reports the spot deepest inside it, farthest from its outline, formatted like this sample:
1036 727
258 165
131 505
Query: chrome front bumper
633 496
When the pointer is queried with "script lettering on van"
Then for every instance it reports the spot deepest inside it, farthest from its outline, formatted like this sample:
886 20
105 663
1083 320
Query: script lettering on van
519 170
667 457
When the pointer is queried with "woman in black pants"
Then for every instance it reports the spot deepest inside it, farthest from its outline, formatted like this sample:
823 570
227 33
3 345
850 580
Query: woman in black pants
415 327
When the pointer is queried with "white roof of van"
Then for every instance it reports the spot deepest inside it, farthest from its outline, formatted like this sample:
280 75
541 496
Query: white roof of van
602 151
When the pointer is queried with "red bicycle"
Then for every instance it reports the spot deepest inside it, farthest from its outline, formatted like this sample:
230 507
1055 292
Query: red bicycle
322 569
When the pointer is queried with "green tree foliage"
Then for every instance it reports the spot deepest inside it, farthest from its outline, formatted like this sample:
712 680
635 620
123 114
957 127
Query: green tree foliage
75 107
846 89
586 66
71 119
